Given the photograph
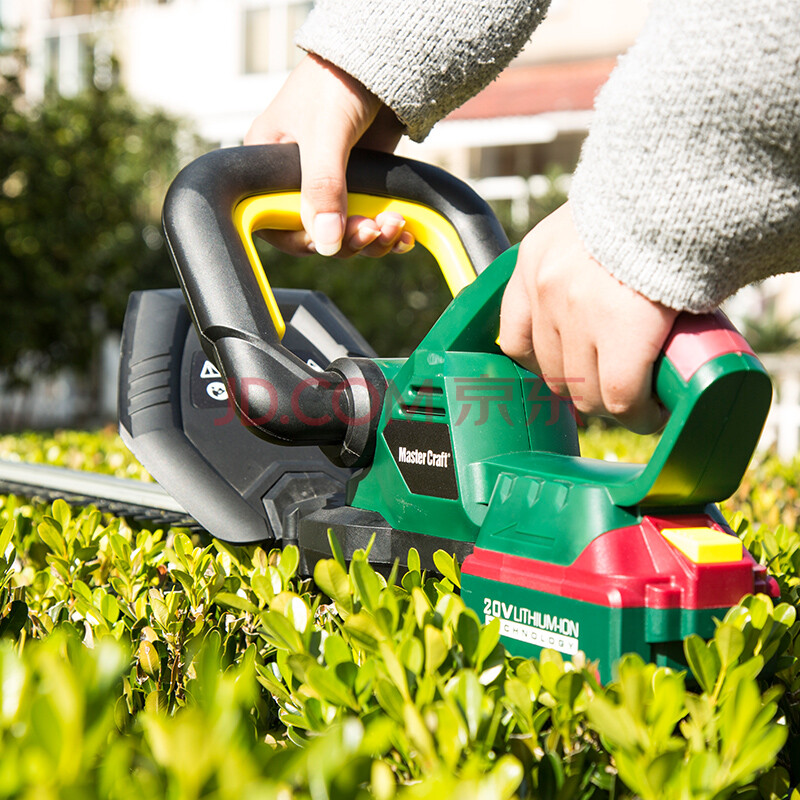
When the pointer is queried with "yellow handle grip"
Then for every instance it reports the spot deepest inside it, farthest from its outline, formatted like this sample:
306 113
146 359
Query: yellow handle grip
281 211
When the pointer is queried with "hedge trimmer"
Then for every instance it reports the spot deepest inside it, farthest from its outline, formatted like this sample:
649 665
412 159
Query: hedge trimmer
454 448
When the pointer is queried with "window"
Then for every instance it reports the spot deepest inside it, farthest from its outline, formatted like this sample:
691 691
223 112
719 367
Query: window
70 62
52 60
297 16
71 8
269 33
256 43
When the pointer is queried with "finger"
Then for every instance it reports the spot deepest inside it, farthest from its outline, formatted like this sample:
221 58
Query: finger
628 397
515 338
392 236
405 243
391 226
295 243
264 131
359 233
323 190
581 378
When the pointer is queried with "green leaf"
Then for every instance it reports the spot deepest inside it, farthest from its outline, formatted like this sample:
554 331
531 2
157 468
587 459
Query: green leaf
109 607
448 566
784 614
7 535
419 734
436 650
469 694
412 655
149 660
336 549
505 778
662 770
382 781
182 545
120 547
82 590
412 560
390 699
367 582
235 601
48 729
160 609
330 688
13 622
487 641
298 613
519 698
281 632
50 533
394 668
468 633
702 661
62 513
568 687
760 607
184 579
336 650
363 631
730 644
331 577
266 585
288 562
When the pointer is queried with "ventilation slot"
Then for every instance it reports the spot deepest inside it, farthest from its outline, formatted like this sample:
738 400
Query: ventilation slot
424 401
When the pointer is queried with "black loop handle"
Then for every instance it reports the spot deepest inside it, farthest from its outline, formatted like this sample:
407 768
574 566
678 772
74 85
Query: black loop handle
276 393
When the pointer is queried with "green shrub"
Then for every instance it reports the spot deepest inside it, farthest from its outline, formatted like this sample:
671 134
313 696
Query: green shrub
138 662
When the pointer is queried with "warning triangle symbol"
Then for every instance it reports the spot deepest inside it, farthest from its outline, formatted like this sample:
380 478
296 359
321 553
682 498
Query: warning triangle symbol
209 371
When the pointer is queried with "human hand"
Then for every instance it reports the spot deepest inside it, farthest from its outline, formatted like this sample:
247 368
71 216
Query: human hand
589 336
327 112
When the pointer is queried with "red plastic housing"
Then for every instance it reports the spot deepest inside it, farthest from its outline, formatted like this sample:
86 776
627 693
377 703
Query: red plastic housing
633 567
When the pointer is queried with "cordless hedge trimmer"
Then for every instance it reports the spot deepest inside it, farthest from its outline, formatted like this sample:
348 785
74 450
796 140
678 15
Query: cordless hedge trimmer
455 448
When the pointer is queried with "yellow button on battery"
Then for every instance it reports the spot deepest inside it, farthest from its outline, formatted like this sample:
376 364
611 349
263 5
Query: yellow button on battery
705 545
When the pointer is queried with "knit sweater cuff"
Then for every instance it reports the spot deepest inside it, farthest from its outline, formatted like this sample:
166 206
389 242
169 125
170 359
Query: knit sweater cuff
422 58
688 185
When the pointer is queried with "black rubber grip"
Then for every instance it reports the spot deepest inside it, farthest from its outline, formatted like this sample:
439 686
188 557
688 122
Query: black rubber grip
223 295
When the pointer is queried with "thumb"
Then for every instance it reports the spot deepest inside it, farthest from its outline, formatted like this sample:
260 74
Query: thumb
323 191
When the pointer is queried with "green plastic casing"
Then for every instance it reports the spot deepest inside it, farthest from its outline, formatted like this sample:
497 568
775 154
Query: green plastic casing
474 448
502 420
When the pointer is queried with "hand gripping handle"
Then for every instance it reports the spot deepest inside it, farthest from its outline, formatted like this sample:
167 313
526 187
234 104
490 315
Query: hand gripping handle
716 390
210 212
718 395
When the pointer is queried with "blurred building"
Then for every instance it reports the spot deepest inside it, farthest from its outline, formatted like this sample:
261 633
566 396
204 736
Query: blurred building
218 62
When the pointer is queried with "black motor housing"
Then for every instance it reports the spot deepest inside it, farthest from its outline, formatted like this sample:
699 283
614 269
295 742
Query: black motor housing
176 418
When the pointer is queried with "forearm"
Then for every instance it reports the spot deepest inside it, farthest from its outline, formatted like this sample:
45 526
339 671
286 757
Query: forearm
422 58
689 182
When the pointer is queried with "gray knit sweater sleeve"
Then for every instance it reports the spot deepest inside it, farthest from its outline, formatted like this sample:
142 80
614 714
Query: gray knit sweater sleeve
422 58
689 182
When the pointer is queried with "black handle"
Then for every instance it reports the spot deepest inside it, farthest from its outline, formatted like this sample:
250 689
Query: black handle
275 393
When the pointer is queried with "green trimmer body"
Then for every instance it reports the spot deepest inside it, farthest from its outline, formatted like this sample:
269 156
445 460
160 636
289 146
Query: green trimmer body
571 553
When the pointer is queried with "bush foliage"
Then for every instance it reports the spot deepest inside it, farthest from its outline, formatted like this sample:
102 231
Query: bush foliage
138 662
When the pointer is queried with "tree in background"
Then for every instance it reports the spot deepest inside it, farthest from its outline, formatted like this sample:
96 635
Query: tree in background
81 182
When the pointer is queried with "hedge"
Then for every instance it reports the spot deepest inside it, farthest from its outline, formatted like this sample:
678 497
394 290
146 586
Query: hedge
144 662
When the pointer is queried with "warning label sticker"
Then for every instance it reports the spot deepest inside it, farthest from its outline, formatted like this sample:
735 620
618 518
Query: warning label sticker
209 370
206 387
